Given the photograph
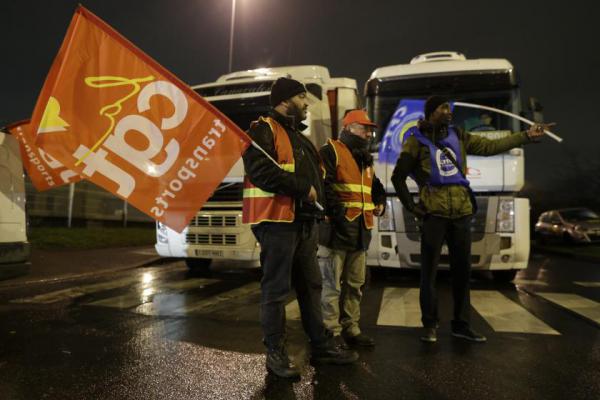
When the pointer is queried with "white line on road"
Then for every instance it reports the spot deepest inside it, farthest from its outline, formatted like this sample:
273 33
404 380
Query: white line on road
216 300
504 315
580 305
78 291
146 294
292 310
399 307
588 284
534 282
74 292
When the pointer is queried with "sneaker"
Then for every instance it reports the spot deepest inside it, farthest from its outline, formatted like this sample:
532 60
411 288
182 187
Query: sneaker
429 335
333 353
468 334
360 340
279 363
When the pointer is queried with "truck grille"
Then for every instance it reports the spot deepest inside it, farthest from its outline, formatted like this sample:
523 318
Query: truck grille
444 259
211 239
227 192
214 220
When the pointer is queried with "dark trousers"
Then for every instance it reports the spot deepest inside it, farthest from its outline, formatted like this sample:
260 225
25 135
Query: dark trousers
457 235
289 257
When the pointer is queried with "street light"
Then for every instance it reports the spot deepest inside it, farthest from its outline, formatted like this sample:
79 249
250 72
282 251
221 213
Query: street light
231 34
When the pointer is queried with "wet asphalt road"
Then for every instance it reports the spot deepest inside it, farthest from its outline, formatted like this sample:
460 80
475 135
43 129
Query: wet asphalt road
162 333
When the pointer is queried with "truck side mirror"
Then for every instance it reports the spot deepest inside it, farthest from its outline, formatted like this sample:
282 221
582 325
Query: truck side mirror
536 109
535 112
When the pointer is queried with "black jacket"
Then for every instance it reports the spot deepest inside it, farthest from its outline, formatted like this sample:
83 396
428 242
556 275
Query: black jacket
343 234
264 174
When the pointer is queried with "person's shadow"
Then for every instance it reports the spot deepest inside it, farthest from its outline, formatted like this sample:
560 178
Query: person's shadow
277 388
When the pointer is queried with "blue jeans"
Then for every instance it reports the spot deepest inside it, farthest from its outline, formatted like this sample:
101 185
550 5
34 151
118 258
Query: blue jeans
288 258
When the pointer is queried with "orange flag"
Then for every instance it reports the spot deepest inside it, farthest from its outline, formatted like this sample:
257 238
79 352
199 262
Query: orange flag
45 171
114 115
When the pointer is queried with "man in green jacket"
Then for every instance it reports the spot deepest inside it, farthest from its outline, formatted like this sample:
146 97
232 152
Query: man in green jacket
434 155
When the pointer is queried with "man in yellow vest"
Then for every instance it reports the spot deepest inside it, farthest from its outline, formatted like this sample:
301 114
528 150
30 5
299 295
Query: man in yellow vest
354 195
279 202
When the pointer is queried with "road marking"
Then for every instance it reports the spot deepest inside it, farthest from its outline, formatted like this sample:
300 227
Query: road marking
580 305
504 315
74 292
148 291
216 300
292 310
588 284
530 282
400 307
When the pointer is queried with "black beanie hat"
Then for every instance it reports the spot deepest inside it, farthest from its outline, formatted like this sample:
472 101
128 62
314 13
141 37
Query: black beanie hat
283 89
432 103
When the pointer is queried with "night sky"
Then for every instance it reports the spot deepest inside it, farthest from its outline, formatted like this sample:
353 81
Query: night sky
553 45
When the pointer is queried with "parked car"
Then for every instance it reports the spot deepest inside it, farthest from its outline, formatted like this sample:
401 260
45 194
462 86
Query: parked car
568 225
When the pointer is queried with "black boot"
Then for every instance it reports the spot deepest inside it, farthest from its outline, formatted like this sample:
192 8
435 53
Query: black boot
332 353
359 340
279 363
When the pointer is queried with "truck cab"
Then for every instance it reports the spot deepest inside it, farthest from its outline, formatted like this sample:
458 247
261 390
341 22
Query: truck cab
14 248
500 229
217 232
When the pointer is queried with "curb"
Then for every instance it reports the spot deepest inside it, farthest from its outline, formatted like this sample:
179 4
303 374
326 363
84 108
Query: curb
65 278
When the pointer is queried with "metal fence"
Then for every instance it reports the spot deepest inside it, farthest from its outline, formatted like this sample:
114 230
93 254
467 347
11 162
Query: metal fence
81 202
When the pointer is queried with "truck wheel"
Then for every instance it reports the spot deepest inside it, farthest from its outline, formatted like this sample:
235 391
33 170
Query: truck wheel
198 264
505 275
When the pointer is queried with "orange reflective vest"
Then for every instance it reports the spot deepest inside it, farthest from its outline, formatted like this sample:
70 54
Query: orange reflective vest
260 205
352 186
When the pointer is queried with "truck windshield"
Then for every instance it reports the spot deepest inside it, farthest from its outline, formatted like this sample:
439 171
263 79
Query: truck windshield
382 107
242 111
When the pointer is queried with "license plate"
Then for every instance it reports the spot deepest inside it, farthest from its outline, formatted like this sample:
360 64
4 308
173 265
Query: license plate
209 253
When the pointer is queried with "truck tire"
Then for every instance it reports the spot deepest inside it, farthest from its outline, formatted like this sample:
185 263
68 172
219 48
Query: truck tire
198 264
504 275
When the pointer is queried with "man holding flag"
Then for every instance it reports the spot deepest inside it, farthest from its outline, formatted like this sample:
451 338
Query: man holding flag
434 155
281 196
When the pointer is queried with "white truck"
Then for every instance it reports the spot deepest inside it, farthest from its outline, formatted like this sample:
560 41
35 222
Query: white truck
217 232
500 230
14 248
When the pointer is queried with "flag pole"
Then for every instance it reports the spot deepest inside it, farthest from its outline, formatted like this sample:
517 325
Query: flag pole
257 147
471 105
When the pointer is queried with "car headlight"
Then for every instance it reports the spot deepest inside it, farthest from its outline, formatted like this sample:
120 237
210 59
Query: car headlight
161 233
386 221
505 219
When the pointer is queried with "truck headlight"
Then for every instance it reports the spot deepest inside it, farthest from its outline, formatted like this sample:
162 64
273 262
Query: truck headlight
161 233
386 221
505 219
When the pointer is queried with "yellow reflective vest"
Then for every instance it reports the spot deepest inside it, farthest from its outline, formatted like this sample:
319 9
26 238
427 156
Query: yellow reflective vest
262 206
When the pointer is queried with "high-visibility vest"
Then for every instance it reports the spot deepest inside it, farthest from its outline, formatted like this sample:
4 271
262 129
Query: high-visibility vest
352 185
261 206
